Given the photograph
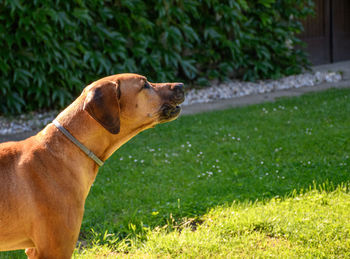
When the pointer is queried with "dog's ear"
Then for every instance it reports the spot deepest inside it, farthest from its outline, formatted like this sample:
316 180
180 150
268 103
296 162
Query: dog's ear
102 104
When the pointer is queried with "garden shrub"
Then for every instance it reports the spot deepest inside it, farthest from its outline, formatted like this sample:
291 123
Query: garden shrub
50 49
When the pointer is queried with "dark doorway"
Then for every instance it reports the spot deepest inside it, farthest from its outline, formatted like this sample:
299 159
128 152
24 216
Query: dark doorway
327 34
341 30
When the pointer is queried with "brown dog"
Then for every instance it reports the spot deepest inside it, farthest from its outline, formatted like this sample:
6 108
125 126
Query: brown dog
45 179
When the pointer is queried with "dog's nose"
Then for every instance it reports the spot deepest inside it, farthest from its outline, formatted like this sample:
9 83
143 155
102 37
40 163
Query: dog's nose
178 88
174 86
178 92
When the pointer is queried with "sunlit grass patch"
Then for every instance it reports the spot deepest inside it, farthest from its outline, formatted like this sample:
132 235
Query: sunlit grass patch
312 224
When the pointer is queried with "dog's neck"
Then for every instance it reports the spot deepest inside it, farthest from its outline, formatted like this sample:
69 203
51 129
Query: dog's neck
91 134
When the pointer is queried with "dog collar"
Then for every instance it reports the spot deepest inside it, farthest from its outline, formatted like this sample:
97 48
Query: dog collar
87 151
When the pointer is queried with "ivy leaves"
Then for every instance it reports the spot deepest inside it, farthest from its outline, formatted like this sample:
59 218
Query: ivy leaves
50 49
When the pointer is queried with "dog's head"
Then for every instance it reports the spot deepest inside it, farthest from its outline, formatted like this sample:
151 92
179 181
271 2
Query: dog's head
129 100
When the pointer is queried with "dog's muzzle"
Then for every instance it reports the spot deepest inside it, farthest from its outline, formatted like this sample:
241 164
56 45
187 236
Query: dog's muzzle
171 109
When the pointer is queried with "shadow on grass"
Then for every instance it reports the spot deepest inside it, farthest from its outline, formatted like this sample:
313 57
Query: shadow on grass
184 168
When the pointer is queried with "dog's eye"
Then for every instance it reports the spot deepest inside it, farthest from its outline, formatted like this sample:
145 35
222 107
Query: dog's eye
146 85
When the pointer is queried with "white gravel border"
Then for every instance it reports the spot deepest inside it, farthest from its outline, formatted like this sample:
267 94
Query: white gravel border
25 122
226 90
235 89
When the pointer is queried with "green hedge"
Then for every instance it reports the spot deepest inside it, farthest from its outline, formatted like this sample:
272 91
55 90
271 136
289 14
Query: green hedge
50 49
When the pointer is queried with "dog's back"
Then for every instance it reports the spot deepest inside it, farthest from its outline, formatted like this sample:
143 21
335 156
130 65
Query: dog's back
9 155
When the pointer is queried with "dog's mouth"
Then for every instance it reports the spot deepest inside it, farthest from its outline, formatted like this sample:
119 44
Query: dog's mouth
169 112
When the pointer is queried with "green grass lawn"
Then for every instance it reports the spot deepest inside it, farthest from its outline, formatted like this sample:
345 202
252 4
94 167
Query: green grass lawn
264 180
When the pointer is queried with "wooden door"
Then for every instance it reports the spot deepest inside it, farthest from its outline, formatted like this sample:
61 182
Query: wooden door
341 30
317 33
